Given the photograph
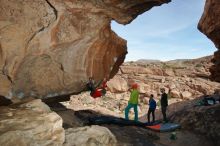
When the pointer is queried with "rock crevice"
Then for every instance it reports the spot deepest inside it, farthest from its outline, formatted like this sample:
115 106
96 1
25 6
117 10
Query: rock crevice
54 9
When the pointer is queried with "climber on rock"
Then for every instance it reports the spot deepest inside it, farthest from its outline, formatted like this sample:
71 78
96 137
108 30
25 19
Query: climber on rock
96 92
133 102
91 84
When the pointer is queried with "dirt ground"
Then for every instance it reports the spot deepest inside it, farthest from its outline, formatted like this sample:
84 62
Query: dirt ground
132 135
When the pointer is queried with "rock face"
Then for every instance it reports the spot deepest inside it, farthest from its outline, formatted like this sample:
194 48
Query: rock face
51 47
30 123
117 84
89 136
210 25
186 94
203 120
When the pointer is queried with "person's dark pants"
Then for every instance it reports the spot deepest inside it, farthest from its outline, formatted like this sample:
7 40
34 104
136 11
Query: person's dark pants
164 109
151 110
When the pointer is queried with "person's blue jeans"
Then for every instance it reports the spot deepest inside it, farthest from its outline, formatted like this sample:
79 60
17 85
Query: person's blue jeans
127 109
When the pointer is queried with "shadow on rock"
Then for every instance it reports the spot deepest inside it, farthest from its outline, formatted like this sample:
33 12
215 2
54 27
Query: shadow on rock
4 101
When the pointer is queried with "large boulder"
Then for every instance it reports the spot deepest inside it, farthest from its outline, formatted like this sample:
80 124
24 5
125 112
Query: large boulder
51 47
203 120
144 88
175 94
30 123
117 84
89 136
209 24
186 95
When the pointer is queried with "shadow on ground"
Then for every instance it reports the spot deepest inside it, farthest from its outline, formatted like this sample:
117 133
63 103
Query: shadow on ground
125 135
128 135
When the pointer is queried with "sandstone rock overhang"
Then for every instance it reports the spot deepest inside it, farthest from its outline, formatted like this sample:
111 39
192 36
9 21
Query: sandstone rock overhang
209 24
51 47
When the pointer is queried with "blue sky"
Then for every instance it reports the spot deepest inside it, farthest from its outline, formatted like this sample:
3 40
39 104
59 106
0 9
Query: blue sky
167 32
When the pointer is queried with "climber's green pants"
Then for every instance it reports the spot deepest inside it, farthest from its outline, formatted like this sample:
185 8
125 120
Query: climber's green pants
127 109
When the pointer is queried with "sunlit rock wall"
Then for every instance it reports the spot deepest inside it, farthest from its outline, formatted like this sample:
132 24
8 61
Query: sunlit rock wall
52 47
210 25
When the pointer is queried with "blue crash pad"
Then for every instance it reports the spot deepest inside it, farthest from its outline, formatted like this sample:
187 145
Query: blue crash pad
164 127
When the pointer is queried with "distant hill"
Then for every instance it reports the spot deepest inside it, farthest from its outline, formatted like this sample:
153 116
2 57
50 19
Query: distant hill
190 60
180 62
148 61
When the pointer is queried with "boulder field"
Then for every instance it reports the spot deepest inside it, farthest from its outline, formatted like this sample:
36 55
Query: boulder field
184 79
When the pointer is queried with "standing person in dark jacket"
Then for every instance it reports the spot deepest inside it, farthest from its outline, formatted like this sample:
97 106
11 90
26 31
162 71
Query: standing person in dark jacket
152 107
164 104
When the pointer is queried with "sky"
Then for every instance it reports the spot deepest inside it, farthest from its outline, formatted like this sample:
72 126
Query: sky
166 32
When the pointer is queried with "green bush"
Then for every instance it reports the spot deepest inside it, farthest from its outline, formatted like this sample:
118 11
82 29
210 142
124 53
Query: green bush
198 65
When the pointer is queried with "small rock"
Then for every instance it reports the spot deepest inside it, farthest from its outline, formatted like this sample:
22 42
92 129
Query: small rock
186 94
89 136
